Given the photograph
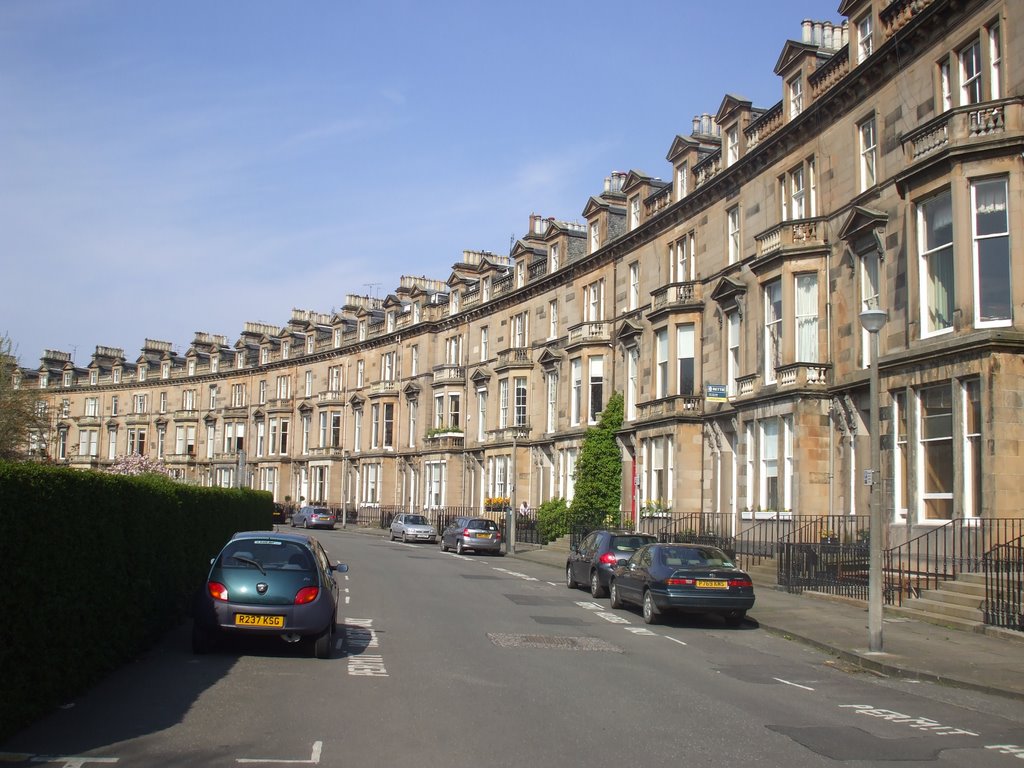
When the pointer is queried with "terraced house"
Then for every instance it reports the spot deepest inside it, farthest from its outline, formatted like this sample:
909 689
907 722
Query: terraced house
725 303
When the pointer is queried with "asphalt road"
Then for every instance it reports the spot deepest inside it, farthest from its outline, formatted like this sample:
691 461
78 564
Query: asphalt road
448 660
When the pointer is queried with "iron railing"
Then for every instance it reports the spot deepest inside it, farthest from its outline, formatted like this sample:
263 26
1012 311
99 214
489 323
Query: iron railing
1004 584
943 553
709 528
827 553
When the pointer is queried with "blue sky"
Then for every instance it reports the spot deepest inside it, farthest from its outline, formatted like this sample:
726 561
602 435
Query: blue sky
172 167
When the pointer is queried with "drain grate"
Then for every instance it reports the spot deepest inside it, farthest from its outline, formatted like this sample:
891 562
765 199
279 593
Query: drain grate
552 642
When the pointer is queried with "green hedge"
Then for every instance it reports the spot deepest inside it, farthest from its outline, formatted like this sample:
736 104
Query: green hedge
95 567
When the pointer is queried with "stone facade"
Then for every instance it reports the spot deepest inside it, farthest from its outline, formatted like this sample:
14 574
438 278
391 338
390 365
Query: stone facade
724 304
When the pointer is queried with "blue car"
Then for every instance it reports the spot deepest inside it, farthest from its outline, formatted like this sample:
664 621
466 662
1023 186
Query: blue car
689 578
269 584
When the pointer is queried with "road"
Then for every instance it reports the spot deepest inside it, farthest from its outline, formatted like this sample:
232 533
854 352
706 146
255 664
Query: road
448 660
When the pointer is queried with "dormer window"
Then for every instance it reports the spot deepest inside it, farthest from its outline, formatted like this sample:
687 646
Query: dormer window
117 375
682 181
44 380
416 312
595 237
732 145
453 302
192 367
520 274
165 370
634 212
239 360
214 363
264 355
485 289
67 378
143 370
391 321
554 257
94 377
362 330
310 343
796 96
286 348
337 337
865 44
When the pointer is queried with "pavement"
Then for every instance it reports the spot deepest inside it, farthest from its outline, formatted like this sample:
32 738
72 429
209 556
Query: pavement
911 649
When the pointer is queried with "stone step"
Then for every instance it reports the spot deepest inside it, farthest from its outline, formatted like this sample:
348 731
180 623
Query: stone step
941 608
954 597
959 586
939 619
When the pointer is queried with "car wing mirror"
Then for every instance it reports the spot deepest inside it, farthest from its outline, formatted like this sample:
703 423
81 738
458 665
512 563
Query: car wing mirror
341 568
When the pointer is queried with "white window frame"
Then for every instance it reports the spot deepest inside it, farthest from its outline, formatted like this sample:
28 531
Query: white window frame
986 241
867 143
773 330
926 259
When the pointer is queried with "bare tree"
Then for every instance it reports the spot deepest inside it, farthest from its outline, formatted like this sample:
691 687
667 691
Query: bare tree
19 416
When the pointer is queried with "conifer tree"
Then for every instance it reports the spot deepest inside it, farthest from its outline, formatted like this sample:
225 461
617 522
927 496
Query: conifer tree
597 497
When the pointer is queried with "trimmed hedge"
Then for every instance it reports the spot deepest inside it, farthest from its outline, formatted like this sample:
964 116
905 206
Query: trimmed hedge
95 568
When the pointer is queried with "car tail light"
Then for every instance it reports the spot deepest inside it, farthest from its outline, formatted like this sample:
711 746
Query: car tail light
497 535
217 590
306 595
680 582
740 583
609 558
465 532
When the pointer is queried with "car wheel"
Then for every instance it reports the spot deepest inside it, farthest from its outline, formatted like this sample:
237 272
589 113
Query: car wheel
459 549
444 547
613 591
570 582
596 590
305 523
291 522
391 535
735 618
323 642
650 610
405 539
203 639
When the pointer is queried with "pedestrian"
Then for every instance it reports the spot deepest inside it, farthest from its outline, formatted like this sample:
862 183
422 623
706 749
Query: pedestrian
524 509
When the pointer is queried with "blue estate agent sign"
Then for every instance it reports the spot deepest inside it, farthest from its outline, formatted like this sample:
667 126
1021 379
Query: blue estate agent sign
715 393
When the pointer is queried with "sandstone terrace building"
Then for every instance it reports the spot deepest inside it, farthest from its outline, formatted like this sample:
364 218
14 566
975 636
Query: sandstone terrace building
724 304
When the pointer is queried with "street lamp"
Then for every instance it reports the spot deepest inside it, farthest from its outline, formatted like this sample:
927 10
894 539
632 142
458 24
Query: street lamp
510 519
873 320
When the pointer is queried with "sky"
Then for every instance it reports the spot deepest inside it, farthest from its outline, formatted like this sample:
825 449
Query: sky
191 165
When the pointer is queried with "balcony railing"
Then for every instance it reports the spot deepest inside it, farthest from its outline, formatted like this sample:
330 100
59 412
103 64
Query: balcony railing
538 269
676 294
591 331
677 405
449 373
745 384
830 73
803 375
707 168
327 452
764 126
331 396
516 356
962 127
799 233
501 285
898 14
379 388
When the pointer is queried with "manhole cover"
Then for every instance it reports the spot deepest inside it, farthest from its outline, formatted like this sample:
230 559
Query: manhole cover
553 642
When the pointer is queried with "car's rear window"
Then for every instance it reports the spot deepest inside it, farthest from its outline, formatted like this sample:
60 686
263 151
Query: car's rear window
268 553
694 556
630 543
483 525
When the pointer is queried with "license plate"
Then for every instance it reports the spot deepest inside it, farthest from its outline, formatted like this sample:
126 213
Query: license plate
253 620
483 535
708 584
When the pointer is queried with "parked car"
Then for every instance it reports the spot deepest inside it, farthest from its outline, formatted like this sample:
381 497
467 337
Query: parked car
412 528
280 513
476 534
314 517
682 577
594 558
269 583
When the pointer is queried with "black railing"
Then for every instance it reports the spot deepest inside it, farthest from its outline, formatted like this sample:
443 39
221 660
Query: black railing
708 528
761 540
1004 584
827 553
942 554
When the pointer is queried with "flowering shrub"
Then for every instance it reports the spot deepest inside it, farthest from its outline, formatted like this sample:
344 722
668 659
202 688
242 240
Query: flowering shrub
654 508
496 502
134 464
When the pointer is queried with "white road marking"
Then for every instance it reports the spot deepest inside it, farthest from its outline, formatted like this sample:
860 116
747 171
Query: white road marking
590 606
314 758
1008 749
673 640
518 575
72 761
641 631
795 685
919 723
361 633
614 618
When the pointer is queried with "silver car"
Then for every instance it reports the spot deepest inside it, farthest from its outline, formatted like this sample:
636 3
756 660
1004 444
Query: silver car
472 534
412 528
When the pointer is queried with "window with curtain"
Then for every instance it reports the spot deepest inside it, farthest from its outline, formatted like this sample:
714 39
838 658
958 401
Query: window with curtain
807 318
772 329
732 362
770 465
868 153
685 358
869 297
936 238
936 432
992 299
661 371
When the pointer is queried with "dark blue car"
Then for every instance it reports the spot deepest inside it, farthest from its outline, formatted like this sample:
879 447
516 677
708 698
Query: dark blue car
689 578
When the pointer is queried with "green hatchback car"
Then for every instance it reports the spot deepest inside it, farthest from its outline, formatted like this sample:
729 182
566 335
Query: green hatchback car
269 583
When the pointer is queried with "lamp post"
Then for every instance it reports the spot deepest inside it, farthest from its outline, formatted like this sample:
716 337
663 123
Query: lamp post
510 517
873 320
